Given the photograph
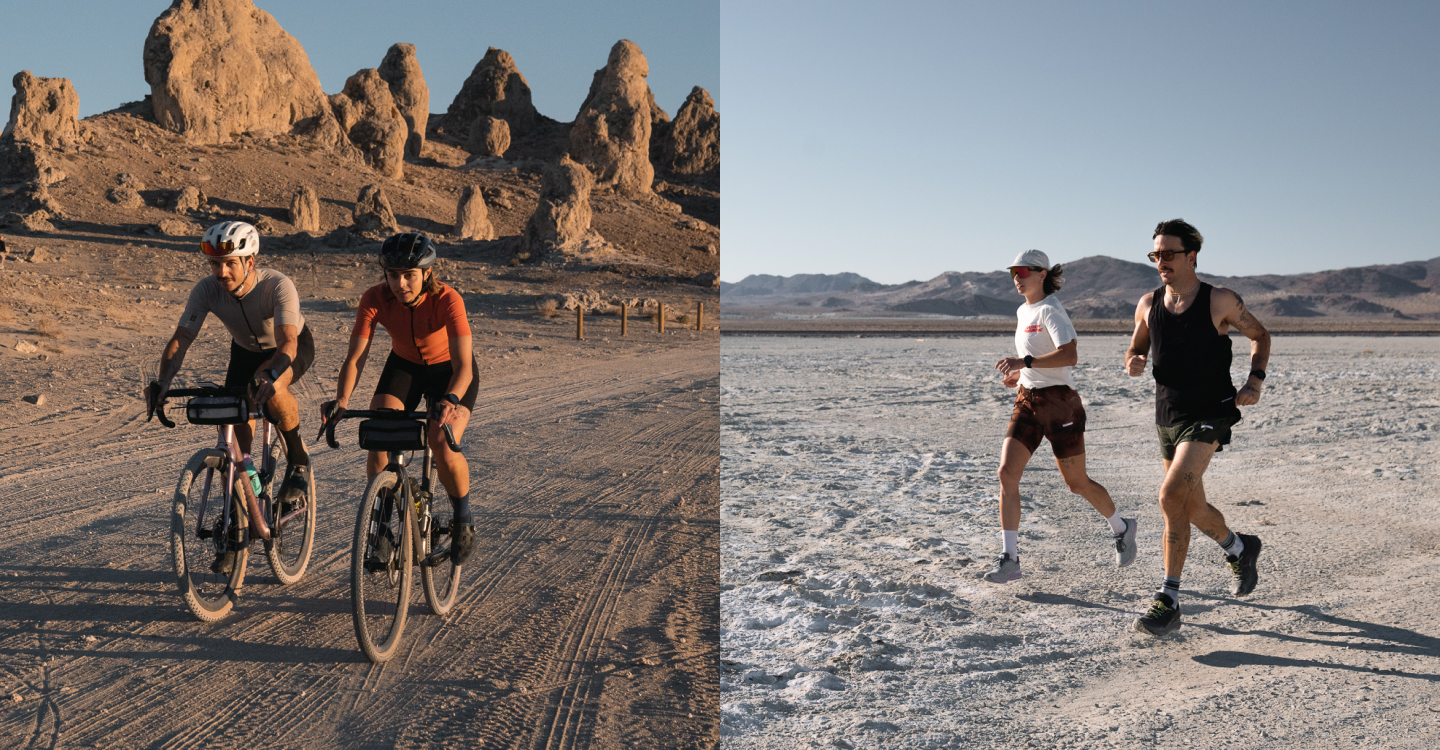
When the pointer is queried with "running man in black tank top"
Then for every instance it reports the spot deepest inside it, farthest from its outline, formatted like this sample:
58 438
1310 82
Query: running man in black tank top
1183 328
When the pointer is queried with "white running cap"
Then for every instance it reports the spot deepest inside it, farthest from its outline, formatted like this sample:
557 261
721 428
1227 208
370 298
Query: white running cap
1032 258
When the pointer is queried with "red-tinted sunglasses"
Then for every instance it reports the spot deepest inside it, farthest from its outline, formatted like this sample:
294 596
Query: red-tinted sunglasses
1022 272
225 247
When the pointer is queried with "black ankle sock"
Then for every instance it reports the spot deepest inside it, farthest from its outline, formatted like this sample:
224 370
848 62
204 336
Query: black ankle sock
295 453
461 505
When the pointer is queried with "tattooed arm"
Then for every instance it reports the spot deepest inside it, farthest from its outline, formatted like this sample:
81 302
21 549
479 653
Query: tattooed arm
1234 314
1139 349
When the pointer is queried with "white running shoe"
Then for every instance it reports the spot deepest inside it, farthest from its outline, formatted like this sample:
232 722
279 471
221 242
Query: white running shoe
1005 569
1125 543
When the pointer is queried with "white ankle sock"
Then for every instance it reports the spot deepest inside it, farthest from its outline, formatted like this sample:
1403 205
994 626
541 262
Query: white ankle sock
1171 588
1010 542
1232 545
1117 524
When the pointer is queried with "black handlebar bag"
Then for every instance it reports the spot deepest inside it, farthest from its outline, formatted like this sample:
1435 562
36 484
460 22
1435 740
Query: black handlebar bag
217 410
392 435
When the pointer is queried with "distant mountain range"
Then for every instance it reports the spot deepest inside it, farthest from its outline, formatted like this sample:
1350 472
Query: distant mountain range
1094 287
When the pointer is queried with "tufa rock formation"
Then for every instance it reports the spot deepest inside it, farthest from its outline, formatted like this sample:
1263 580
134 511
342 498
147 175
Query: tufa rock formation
372 212
472 219
401 71
220 68
611 134
44 112
494 88
489 136
369 118
562 219
305 209
691 146
187 199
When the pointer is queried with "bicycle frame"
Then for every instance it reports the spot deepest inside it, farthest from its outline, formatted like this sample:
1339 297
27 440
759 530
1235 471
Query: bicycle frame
227 444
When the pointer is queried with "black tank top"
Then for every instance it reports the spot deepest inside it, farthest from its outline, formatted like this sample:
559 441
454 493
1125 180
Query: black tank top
1191 363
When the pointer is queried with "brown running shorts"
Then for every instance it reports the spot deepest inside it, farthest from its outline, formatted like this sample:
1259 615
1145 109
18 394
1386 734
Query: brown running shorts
1054 413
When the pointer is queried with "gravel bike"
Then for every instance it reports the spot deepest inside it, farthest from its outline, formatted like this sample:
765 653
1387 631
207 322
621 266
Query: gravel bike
210 535
395 531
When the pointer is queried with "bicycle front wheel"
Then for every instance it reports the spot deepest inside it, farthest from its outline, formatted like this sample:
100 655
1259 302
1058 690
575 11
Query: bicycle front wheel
209 559
440 578
289 551
381 568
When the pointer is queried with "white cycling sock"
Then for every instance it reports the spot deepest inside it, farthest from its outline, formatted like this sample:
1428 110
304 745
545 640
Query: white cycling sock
1010 543
1232 545
1117 524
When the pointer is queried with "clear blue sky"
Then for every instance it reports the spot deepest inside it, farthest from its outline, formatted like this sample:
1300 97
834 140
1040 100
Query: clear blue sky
558 46
900 140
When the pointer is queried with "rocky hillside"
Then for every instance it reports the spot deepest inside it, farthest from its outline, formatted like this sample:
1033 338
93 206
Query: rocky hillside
1095 287
622 188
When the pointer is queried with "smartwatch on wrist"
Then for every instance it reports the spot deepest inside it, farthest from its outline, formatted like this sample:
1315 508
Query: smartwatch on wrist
1028 360
453 399
274 376
1258 374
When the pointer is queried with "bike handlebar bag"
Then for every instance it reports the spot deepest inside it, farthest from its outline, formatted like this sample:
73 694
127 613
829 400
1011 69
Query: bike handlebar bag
217 410
392 435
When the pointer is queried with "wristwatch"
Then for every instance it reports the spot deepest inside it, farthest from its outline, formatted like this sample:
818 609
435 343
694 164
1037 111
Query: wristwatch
1028 360
452 398
1258 374
274 376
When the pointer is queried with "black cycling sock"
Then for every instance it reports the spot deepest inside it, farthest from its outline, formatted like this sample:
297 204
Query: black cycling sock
295 449
461 505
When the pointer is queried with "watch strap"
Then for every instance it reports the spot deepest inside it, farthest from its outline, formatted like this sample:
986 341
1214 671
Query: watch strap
1260 374
1029 360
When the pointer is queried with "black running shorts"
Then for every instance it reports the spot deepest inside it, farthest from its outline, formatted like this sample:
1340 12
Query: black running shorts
244 363
1054 413
409 381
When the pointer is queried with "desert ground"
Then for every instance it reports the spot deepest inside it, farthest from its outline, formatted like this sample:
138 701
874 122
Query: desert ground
588 617
859 508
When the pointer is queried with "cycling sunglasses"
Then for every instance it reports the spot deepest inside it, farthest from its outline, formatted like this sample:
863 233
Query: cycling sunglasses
219 249
1166 254
1022 272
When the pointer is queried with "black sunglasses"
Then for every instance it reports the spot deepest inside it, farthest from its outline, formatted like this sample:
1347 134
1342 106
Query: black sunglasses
1166 254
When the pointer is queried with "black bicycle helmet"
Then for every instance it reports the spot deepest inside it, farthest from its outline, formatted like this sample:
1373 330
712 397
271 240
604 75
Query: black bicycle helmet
408 250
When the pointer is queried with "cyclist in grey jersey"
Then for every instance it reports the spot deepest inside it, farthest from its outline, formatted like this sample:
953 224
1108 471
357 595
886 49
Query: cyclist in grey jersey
270 347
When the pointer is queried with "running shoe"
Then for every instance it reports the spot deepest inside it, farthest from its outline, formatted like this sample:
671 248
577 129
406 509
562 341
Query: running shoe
462 542
1162 619
1242 568
1005 569
297 485
1125 545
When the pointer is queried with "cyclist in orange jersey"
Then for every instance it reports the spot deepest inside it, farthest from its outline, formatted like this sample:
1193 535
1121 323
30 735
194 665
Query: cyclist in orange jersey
430 356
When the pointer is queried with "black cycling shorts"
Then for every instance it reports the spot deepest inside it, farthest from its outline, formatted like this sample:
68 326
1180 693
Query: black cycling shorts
409 381
244 363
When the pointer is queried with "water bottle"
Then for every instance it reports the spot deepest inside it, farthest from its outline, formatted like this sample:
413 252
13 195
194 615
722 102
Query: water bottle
254 475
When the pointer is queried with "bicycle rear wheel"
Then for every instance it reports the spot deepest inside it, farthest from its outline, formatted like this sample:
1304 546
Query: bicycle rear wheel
289 553
209 564
441 578
381 568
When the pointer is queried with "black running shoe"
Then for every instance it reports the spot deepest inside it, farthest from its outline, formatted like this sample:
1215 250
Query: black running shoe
296 487
1243 567
462 542
1162 619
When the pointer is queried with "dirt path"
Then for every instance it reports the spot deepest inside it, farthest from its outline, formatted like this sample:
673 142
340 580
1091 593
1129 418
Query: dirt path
588 617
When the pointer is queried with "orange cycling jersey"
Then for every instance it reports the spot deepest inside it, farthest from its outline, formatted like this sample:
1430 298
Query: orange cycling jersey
419 334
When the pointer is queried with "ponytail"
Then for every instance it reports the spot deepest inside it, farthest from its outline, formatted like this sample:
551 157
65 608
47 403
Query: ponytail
1053 282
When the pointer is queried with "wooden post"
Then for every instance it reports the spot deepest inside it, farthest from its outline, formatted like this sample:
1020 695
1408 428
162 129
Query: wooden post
700 317
579 323
661 317
624 310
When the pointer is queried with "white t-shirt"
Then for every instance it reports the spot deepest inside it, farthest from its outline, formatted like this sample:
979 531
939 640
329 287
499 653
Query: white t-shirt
1043 327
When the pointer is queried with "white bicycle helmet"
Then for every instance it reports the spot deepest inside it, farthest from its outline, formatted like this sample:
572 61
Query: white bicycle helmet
230 239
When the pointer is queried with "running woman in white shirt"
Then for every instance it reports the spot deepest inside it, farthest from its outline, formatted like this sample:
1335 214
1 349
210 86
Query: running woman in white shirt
1047 406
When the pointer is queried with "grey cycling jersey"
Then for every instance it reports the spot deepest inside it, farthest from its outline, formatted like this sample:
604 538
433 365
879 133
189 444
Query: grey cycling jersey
251 319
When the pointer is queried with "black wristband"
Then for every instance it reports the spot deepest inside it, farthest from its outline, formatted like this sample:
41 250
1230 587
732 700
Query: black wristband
452 398
279 364
1258 374
1028 360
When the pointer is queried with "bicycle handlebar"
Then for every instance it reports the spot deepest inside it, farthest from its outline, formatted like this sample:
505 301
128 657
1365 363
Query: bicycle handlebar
330 424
